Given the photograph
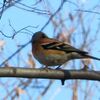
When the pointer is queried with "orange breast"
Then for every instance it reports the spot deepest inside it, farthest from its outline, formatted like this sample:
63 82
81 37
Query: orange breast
48 57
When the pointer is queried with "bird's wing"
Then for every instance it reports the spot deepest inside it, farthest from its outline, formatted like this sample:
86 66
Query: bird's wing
61 46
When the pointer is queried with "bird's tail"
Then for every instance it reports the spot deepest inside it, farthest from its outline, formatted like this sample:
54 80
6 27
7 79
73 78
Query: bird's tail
92 57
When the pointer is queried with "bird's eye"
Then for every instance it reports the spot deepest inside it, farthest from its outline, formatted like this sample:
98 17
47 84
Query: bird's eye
44 36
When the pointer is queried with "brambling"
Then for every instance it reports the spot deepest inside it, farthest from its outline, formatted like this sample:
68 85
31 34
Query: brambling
51 52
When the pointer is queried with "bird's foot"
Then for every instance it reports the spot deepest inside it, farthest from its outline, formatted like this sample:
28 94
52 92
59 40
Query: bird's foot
58 67
47 68
85 68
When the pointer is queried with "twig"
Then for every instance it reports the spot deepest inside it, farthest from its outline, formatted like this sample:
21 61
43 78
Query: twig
15 53
62 3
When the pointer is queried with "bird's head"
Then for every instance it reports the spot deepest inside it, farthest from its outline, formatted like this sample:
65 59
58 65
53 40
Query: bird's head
37 36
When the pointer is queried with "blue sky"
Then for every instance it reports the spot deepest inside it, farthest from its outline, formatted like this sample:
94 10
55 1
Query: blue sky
19 19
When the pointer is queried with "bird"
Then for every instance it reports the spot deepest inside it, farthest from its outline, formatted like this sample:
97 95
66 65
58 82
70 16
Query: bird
52 52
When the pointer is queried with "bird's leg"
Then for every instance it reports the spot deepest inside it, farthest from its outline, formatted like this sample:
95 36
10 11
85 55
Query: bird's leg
85 68
47 68
58 67
85 65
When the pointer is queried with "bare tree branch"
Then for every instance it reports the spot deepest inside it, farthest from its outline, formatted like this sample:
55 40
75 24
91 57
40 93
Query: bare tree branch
61 5
89 11
49 73
23 46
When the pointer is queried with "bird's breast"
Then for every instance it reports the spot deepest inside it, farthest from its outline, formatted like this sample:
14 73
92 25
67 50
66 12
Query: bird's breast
49 57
